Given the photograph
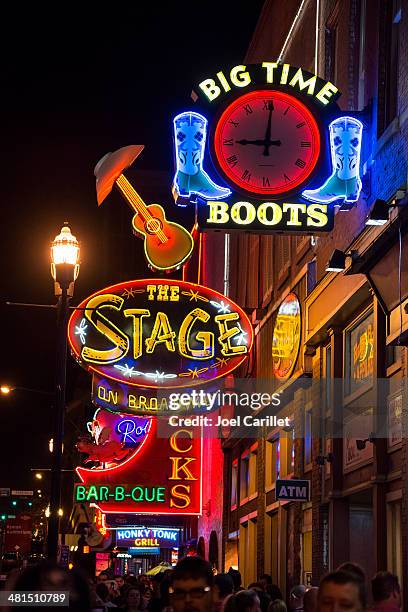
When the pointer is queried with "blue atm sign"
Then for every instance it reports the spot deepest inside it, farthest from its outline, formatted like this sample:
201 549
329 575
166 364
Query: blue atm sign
293 490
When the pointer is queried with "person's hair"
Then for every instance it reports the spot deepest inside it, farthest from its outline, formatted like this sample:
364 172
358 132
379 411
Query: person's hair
342 577
102 591
236 577
132 587
267 578
193 567
255 586
264 600
277 606
240 602
274 591
43 575
224 583
310 599
353 568
298 591
383 585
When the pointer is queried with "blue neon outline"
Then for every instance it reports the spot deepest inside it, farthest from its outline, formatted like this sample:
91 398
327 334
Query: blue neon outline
175 186
332 151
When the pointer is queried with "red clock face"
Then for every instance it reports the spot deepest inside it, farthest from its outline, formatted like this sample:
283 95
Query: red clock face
267 142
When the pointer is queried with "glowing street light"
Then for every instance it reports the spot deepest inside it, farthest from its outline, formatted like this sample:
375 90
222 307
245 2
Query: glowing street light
38 476
64 271
5 389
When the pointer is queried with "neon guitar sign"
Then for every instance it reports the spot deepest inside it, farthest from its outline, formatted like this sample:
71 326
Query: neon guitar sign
167 245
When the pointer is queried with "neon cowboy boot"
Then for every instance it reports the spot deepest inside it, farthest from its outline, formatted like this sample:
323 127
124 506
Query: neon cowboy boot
344 183
190 130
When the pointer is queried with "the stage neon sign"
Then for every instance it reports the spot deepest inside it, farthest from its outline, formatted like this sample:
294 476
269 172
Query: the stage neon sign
160 334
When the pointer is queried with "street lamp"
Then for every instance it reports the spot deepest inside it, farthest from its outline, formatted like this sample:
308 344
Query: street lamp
64 271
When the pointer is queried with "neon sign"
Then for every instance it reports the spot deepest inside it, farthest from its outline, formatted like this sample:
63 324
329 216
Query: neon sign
167 245
160 334
159 476
286 337
164 537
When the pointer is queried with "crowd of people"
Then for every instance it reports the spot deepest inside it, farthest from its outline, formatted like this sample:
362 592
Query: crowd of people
192 586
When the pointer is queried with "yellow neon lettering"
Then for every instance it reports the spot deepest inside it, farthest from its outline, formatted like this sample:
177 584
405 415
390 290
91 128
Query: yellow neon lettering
207 338
294 209
176 492
151 290
326 92
210 89
270 67
106 328
310 84
226 334
174 293
137 314
218 212
174 441
236 212
284 74
178 467
223 81
317 215
163 293
161 332
239 76
263 213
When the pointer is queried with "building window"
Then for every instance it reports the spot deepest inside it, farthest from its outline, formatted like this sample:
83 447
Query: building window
248 484
248 551
394 538
390 18
287 453
271 546
331 45
266 264
244 485
272 471
308 437
234 483
359 355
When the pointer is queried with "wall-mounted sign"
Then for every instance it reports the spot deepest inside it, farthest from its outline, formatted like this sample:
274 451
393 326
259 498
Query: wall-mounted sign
286 337
160 334
167 245
160 476
147 550
359 355
163 537
293 490
277 141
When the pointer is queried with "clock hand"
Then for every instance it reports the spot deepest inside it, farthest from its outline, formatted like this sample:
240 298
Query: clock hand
261 143
268 129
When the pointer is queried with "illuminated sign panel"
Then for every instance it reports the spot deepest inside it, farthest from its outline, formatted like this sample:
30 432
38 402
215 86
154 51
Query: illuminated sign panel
160 334
280 154
286 337
157 476
163 537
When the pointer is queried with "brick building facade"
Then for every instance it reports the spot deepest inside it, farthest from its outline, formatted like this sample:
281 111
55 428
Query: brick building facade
354 325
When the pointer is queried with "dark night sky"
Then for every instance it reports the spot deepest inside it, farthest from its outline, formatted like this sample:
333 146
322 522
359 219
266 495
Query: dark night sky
75 84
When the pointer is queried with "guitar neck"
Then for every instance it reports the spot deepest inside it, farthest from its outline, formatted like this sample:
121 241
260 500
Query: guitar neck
132 197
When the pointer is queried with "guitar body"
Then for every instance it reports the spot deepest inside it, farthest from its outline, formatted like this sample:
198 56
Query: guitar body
167 244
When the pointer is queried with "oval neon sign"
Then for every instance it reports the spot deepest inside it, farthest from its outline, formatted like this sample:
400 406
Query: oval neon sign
158 333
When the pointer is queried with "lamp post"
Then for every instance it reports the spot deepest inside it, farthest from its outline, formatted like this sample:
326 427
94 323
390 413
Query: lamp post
64 270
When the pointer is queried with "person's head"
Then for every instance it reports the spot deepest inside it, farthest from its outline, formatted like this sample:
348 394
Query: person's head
191 585
341 590
103 577
223 586
385 588
277 606
310 600
274 591
147 595
265 580
264 600
120 581
243 601
296 596
353 568
102 591
236 578
133 597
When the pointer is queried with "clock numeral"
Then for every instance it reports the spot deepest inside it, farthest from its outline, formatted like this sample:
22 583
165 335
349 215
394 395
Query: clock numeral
299 125
232 160
265 182
286 111
268 105
234 123
306 144
300 163
287 179
248 109
246 176
227 142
